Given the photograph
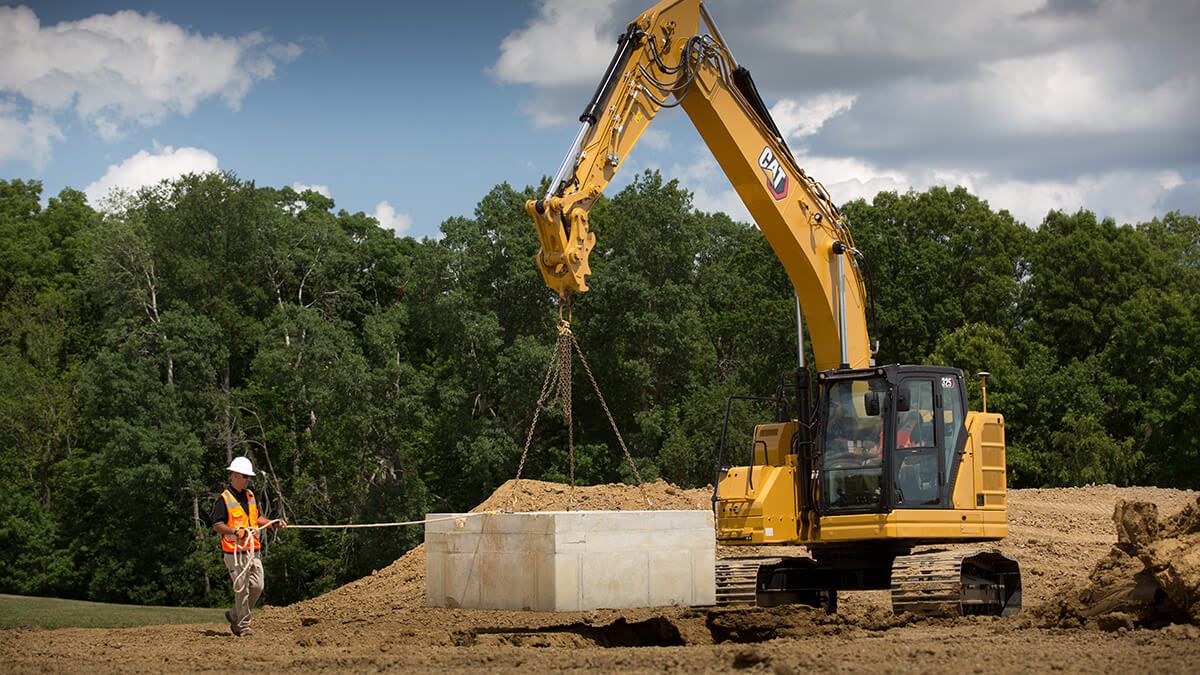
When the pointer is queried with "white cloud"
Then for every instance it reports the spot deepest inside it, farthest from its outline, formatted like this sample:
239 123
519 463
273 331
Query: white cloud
1031 104
1084 90
322 190
29 138
655 139
564 45
1125 196
123 70
799 119
710 189
144 168
386 214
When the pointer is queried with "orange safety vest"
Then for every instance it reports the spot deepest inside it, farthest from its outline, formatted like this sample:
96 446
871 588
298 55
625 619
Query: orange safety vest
237 518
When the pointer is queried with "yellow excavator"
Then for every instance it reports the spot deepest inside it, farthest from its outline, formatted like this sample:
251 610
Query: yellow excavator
875 460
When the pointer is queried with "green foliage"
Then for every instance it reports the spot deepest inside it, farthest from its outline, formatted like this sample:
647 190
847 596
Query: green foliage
937 260
374 378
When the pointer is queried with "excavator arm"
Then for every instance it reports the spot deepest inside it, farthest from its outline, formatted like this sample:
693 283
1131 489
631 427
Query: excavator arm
673 55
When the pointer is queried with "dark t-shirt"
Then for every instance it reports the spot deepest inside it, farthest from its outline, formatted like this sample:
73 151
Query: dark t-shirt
220 514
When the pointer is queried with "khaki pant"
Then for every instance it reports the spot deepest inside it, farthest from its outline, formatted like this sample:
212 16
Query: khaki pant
247 577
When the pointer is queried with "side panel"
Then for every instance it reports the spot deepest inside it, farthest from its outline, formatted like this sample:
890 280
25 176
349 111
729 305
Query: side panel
773 442
758 506
965 481
914 524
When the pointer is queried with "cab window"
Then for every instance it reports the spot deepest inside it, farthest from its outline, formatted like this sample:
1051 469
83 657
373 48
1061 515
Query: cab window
917 459
952 419
852 461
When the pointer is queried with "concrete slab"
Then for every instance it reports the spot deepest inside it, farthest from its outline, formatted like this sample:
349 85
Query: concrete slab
570 560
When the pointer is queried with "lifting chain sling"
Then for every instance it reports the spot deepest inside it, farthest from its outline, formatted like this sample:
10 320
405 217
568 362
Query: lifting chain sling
557 386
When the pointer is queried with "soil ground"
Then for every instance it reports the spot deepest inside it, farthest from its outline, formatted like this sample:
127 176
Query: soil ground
380 622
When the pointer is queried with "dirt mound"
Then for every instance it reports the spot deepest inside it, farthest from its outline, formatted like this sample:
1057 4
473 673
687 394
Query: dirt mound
1149 578
536 495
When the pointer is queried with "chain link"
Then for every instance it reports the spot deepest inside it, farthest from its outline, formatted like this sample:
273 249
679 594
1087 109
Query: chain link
565 339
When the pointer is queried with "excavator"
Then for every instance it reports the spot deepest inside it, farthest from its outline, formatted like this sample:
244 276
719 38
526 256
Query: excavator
876 461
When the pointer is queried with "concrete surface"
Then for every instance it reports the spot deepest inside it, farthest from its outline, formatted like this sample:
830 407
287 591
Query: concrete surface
570 560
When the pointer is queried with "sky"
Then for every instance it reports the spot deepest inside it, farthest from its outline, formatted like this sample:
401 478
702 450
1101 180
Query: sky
412 112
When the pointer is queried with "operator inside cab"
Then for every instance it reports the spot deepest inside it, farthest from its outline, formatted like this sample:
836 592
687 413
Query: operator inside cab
853 457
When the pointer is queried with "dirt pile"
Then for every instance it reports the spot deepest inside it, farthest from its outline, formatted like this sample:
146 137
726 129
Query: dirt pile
536 495
1149 578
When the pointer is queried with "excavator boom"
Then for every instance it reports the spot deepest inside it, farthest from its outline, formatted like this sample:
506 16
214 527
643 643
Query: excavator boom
663 60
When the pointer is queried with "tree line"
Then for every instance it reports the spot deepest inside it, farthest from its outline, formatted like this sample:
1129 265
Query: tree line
376 378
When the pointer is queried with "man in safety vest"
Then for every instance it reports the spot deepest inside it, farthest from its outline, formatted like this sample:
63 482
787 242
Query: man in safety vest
236 518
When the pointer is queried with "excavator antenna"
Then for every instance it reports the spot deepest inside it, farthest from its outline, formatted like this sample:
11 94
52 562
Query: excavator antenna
983 376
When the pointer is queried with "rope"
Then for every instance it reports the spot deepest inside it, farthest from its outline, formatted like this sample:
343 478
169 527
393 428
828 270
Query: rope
241 563
396 524
243 554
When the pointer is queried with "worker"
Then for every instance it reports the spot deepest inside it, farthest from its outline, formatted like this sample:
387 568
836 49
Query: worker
236 518
906 432
841 427
872 452
873 441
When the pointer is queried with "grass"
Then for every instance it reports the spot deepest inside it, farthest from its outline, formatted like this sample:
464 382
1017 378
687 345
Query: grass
18 611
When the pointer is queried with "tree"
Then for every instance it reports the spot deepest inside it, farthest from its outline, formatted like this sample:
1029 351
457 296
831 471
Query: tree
937 260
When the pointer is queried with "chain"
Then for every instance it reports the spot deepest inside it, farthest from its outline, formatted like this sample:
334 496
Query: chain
608 413
537 411
565 340
558 383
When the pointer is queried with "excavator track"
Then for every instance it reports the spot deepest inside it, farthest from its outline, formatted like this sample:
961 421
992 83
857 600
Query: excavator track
956 583
737 579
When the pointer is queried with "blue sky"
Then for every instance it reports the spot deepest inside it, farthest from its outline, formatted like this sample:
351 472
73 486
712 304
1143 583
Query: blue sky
413 111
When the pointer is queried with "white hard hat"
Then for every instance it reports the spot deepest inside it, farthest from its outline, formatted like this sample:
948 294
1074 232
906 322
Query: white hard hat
241 465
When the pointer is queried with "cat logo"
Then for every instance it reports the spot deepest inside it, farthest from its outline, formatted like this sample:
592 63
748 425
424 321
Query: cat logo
777 180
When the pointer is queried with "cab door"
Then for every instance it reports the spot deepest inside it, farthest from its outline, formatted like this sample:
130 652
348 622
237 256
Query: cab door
918 445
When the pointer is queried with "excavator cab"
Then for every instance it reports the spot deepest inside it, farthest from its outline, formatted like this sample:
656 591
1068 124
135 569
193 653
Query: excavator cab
889 438
895 462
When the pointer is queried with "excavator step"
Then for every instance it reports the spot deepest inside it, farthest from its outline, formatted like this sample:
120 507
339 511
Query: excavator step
956 583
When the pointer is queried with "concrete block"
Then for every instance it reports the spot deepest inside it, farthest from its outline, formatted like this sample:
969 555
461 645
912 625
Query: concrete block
570 560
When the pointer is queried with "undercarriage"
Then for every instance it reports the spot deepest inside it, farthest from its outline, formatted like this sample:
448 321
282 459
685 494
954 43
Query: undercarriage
948 583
